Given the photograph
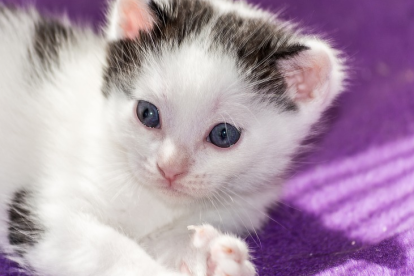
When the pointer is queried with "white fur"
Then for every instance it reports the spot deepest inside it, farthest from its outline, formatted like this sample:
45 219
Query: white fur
92 166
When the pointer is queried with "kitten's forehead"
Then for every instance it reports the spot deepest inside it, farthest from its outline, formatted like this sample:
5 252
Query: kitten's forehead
207 92
249 36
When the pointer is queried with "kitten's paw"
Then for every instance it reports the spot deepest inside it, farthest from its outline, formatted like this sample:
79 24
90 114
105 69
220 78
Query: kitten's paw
226 254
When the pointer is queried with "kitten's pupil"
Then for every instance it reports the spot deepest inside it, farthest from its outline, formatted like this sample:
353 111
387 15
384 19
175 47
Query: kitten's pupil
224 134
146 113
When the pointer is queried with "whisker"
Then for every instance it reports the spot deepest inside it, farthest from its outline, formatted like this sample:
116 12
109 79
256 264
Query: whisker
258 210
247 229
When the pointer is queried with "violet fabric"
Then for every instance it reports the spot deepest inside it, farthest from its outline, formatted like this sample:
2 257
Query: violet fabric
348 208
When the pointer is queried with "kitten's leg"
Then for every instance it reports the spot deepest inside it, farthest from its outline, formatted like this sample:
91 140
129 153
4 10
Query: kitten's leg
200 251
80 245
226 255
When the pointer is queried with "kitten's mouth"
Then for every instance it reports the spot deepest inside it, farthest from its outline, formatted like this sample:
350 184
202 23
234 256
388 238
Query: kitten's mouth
181 191
174 192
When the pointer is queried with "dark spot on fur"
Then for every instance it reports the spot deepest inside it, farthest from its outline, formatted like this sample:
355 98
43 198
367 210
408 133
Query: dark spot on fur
7 7
123 62
2 9
259 45
50 35
180 20
23 231
6 11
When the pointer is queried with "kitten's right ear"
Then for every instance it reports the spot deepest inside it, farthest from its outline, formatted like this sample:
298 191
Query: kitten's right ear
127 18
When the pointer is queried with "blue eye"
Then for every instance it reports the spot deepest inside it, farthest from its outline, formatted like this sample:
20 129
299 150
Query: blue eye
148 114
224 135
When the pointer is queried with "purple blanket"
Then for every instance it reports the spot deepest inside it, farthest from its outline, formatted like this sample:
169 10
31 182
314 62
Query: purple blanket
348 208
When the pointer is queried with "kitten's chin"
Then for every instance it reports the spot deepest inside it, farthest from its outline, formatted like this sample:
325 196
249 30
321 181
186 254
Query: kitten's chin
173 196
176 195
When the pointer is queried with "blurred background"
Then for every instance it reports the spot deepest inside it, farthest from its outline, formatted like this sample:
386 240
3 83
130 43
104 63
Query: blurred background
348 208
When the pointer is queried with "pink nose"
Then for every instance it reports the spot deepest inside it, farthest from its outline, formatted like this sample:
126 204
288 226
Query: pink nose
171 173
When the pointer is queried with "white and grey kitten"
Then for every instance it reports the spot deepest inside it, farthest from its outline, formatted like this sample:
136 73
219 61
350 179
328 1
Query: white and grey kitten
121 155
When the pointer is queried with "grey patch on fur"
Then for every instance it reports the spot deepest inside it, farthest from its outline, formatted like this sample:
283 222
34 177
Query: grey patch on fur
23 230
7 10
50 36
257 45
3 9
124 59
180 20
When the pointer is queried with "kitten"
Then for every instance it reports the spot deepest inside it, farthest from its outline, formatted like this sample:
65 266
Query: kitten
137 152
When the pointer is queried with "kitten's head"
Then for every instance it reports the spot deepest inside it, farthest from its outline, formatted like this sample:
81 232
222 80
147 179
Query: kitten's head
209 97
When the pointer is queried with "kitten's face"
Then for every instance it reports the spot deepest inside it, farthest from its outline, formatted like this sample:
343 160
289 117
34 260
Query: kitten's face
194 91
212 103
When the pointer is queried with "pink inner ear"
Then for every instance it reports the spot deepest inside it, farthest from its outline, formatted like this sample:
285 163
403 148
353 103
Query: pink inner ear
136 17
304 81
308 75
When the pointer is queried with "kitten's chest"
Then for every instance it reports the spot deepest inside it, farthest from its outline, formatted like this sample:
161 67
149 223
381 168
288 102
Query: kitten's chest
144 214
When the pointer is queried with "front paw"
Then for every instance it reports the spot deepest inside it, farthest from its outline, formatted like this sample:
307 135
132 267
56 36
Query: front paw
225 255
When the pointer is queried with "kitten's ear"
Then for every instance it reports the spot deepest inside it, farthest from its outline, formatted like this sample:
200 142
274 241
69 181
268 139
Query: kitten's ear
127 18
315 76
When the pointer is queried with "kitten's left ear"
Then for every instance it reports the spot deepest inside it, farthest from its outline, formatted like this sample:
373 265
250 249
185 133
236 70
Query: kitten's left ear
127 18
315 76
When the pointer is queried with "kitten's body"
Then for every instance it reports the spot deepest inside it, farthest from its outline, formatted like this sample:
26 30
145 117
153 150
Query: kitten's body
72 200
